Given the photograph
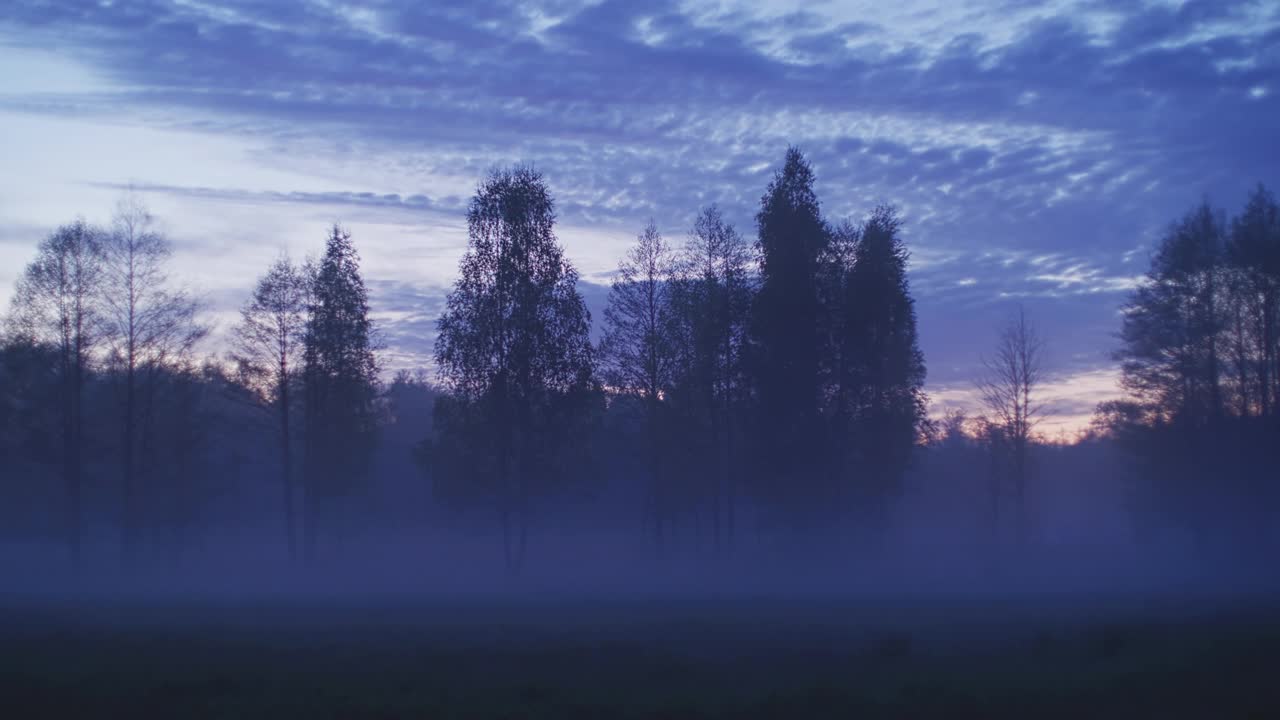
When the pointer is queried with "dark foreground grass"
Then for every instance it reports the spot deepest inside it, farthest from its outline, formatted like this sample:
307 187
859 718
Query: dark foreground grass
659 658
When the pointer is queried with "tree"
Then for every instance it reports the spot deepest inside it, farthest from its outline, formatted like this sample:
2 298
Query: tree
55 304
883 367
786 329
711 301
1253 252
340 378
1008 389
838 338
406 408
1172 323
514 355
638 351
1197 360
267 342
185 454
32 441
149 326
954 428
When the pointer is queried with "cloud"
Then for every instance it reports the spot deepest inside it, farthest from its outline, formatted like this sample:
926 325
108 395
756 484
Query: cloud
337 198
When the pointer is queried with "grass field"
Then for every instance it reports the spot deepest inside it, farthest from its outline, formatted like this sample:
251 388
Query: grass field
640 657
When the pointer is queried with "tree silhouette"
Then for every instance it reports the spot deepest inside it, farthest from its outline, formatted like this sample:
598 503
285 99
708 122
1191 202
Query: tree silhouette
340 377
267 342
1009 387
637 352
149 327
840 347
1198 362
55 304
31 433
1253 252
786 328
513 352
884 368
1170 354
711 301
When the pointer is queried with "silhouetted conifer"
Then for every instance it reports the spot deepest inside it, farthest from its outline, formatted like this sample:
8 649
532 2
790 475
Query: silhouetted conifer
340 378
785 352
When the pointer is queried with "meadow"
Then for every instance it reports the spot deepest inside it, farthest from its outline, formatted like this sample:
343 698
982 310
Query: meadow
667 656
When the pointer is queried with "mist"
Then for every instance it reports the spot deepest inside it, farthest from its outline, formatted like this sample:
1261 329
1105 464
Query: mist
727 492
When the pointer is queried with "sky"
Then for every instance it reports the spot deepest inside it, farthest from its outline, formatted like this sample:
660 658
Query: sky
1037 151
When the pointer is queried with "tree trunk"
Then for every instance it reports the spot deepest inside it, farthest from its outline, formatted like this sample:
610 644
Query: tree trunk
286 469
129 524
655 474
1020 489
1269 369
72 428
311 463
149 499
1241 361
994 488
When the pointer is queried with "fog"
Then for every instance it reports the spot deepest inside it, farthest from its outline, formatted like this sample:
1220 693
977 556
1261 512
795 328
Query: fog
930 557
732 473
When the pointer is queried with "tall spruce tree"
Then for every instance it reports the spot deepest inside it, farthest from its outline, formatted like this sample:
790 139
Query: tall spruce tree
786 338
885 363
515 356
340 377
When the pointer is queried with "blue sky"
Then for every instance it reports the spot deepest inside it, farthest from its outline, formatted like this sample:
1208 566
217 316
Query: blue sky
1037 150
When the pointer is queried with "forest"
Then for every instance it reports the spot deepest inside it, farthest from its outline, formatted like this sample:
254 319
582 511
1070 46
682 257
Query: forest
749 400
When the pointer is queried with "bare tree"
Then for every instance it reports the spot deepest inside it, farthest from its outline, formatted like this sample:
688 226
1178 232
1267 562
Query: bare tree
149 327
1008 387
54 304
268 343
637 351
711 296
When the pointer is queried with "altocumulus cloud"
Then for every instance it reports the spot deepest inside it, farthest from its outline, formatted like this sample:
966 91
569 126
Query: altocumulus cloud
1036 152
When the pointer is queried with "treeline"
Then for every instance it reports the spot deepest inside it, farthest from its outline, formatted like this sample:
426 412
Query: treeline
1191 453
101 382
1200 355
743 391
786 371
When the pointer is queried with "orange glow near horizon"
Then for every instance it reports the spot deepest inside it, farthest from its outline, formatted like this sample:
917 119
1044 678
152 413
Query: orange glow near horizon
1068 402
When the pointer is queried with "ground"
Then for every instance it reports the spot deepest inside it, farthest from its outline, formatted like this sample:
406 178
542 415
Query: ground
663 657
